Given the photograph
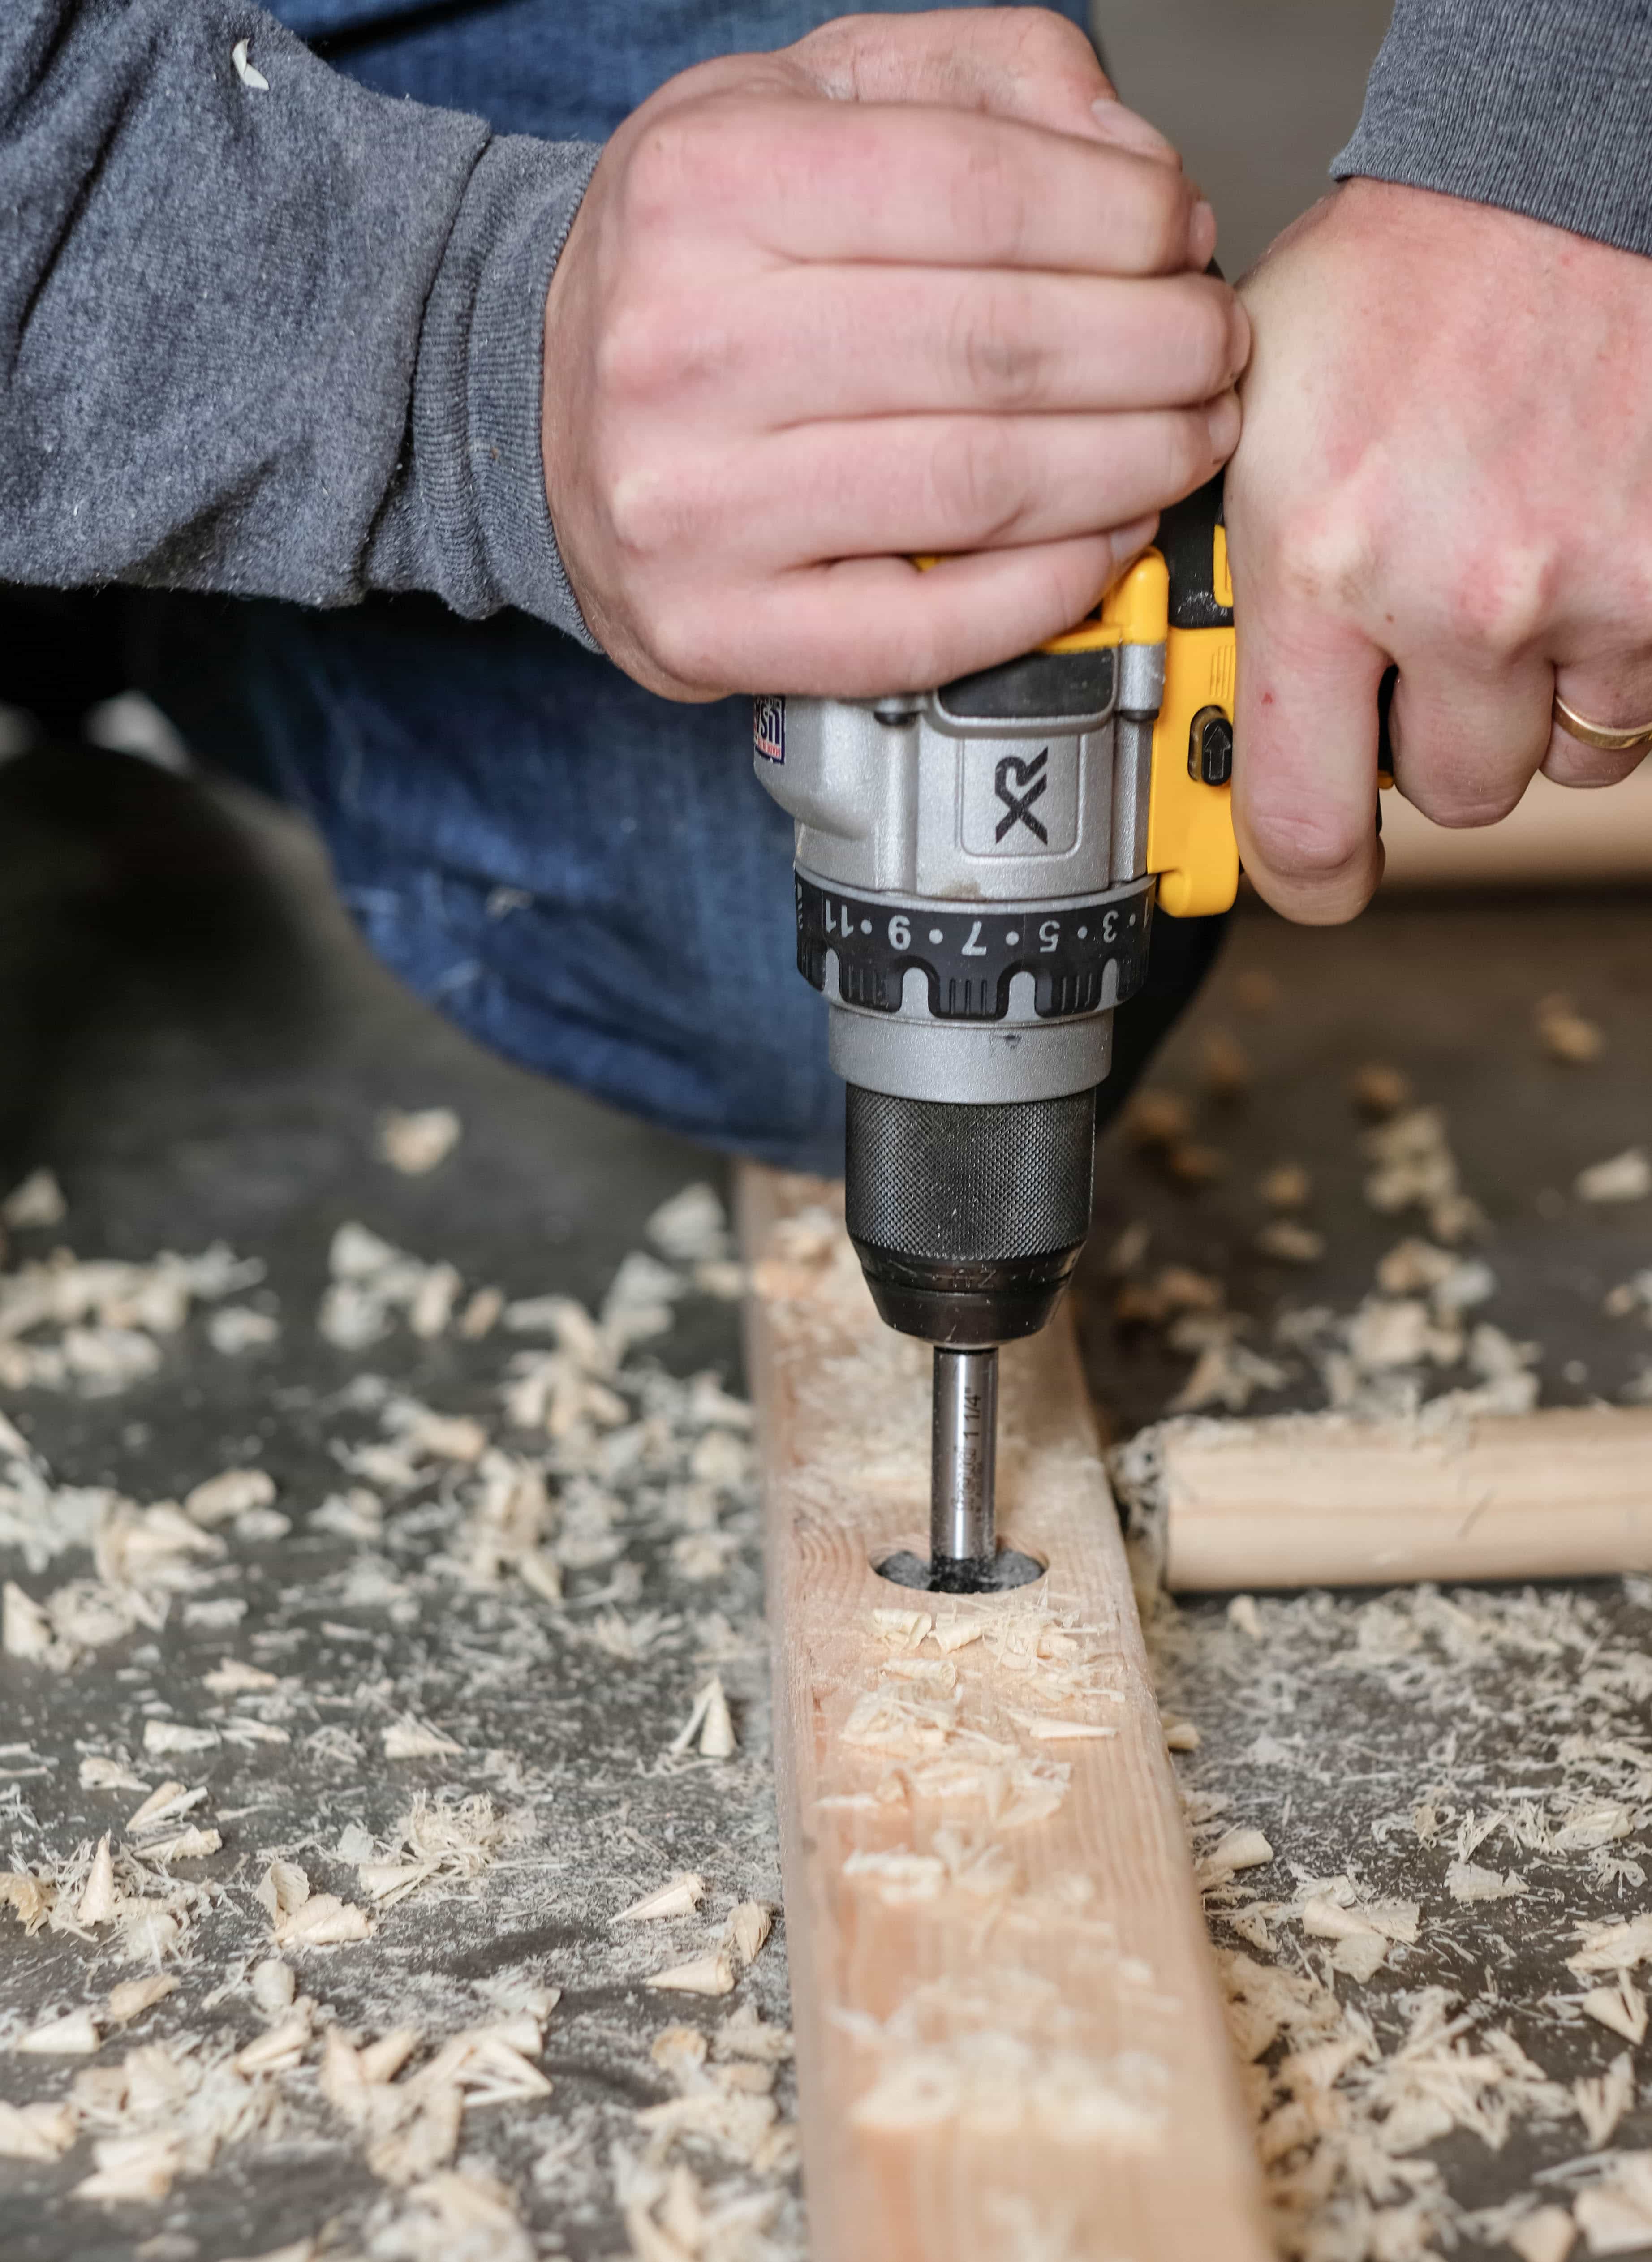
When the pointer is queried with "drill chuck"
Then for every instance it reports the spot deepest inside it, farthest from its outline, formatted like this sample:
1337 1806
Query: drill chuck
968 1220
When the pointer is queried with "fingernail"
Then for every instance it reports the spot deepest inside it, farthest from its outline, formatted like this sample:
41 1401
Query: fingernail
1127 129
1223 417
1240 344
1201 235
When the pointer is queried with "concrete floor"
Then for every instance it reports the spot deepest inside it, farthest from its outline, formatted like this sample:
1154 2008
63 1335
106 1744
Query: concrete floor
194 1040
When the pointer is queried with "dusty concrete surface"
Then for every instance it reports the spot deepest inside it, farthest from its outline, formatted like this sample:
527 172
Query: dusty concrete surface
197 1045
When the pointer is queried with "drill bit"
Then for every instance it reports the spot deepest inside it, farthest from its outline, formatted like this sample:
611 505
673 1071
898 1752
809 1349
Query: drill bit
963 1471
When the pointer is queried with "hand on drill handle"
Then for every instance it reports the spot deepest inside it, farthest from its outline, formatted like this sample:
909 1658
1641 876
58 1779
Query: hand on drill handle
915 284
1447 466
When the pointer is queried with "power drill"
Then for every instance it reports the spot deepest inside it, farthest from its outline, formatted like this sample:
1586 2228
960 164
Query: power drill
976 878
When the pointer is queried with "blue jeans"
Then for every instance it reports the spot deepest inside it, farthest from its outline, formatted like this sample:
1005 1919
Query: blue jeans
586 877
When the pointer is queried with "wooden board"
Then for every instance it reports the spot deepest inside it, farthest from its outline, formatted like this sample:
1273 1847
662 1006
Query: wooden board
1556 836
1565 1493
1010 2046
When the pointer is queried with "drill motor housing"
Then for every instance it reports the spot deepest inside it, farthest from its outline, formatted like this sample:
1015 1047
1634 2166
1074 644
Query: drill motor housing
977 868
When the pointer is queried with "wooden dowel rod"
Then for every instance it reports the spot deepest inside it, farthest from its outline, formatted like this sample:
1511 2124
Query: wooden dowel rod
1317 1500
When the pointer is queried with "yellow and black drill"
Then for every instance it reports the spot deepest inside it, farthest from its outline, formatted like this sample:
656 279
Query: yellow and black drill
977 869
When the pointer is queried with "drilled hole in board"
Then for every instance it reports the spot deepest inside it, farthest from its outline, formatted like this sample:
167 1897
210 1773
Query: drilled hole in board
992 1574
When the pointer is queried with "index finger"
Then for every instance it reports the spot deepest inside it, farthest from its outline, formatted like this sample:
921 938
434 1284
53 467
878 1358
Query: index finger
1304 751
929 186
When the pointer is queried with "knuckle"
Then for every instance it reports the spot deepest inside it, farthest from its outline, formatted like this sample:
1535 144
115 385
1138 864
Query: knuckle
690 158
1163 202
1461 806
1502 596
658 167
1186 451
997 358
1307 843
633 358
648 513
990 201
1205 339
974 480
685 642
1044 40
1322 560
653 346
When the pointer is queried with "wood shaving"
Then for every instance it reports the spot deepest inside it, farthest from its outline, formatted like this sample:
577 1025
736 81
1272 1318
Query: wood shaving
418 1140
709 1726
409 1738
1546 2234
711 1974
303 1919
1192 1164
1615 2216
1601 2103
133 1997
1290 1242
248 74
1286 1186
1380 1089
1623 1177
98 1902
1225 1066
38 2131
749 1926
680 1898
73 2035
692 1228
1622 2007
434 1839
1565 1033
237 1328
1157 1119
1414 1165
35 1204
224 1497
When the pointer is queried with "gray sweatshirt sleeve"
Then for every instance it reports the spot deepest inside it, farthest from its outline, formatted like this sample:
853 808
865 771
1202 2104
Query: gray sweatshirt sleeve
262 331
1541 107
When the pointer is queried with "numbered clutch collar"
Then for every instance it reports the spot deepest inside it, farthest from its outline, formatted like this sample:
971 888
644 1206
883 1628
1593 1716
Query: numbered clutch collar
1082 955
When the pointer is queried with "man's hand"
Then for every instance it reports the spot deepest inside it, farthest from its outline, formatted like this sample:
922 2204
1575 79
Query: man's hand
916 285
1446 466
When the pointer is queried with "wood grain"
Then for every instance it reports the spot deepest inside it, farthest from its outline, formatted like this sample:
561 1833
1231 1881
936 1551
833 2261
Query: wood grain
1010 2045
1310 1501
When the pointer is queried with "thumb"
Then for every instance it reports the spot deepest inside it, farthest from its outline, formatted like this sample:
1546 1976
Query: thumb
1024 63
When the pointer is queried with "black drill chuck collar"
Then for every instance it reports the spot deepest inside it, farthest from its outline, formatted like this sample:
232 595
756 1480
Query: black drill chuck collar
968 1219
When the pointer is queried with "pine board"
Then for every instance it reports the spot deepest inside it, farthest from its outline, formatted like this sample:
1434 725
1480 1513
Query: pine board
1036 2069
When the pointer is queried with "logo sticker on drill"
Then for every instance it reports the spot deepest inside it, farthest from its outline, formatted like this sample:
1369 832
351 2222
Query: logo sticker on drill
769 729
1020 795
1010 773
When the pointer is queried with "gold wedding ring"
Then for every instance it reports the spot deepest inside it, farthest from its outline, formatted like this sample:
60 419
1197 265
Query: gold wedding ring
1636 739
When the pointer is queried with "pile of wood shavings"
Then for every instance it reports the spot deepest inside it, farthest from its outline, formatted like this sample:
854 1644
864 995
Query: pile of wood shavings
366 1765
1419 1337
1425 1819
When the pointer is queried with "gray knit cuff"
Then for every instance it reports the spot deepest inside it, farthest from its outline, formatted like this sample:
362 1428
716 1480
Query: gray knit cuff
1541 107
468 517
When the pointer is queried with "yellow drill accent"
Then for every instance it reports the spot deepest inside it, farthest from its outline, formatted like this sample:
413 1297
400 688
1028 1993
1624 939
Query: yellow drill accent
1221 571
1190 841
